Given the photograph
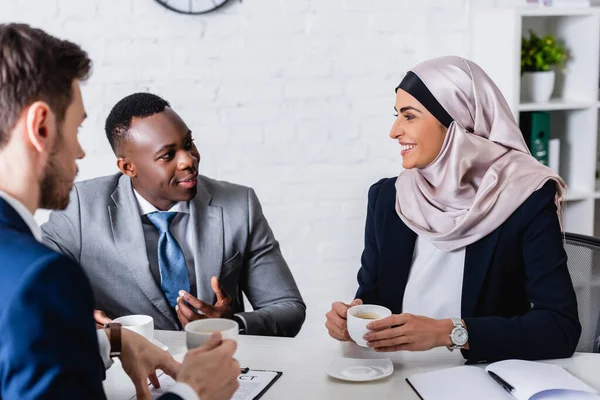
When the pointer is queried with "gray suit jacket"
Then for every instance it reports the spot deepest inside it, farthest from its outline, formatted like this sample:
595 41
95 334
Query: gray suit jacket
102 230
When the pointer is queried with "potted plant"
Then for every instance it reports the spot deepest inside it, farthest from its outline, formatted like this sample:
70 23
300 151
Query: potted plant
539 57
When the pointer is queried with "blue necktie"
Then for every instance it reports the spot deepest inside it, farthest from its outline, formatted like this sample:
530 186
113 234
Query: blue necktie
171 261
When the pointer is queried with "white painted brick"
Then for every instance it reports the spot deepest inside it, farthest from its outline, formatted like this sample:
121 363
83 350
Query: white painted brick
359 5
388 5
243 92
296 6
477 4
113 10
325 7
309 67
209 135
336 24
247 68
247 134
309 88
314 108
349 250
354 210
76 9
448 20
379 107
249 113
455 43
194 51
266 25
374 86
13 11
409 21
280 133
428 4
220 25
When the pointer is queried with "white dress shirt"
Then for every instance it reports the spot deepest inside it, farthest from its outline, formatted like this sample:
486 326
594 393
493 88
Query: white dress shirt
434 287
183 390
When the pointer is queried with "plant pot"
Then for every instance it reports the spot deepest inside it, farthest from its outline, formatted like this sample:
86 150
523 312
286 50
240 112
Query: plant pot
537 87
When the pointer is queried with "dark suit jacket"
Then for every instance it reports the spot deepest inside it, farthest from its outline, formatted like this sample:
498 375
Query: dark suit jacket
48 343
518 300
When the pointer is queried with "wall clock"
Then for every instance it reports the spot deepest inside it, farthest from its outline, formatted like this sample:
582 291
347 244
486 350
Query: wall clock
192 7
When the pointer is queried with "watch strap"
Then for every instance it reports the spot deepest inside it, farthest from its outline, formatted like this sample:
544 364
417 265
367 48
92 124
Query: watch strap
114 338
241 322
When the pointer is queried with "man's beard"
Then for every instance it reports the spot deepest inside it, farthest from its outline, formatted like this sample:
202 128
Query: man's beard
55 185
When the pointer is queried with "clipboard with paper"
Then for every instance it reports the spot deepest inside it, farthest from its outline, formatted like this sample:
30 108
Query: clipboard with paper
253 384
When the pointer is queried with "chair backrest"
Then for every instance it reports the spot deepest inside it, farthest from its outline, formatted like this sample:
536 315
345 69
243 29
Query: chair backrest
583 254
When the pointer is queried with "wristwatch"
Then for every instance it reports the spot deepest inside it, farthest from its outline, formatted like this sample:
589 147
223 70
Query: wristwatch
241 324
114 337
459 335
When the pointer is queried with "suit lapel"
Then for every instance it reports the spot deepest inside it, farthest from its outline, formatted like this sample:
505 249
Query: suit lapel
478 257
207 226
129 239
396 258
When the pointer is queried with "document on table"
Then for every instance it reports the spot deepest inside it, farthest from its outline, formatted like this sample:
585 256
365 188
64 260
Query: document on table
503 380
253 384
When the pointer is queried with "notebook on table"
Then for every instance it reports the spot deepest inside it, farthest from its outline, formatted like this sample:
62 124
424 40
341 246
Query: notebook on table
503 380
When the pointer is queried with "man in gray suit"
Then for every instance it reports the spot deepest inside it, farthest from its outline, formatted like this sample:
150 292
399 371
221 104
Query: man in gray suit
161 240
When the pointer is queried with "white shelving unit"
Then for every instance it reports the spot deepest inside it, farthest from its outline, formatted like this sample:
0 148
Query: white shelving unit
496 47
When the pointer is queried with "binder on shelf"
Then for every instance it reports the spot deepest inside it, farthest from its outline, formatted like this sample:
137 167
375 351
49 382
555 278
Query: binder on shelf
535 126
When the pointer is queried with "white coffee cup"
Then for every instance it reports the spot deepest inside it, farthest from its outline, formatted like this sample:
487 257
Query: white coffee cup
142 324
198 332
357 327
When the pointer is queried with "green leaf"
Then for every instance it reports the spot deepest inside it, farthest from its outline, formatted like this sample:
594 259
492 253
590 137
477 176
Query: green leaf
542 53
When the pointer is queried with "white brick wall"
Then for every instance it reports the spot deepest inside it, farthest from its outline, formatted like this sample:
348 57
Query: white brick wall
291 97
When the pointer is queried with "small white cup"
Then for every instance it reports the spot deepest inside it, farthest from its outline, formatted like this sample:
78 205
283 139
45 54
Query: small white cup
357 327
142 324
198 332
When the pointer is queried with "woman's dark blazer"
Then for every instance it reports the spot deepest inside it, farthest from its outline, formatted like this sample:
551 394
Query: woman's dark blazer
518 300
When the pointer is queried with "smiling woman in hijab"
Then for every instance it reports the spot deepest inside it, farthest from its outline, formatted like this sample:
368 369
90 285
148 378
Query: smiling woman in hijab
465 245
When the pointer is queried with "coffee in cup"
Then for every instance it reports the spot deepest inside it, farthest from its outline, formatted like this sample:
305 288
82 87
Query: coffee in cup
367 315
358 317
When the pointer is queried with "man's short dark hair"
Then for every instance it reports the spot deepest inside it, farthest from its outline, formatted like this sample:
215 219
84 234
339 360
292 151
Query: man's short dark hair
137 105
35 66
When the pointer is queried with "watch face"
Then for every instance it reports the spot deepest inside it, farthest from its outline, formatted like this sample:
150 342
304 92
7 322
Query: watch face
460 336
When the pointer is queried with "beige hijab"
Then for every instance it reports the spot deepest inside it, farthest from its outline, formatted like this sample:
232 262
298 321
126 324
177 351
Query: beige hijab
484 171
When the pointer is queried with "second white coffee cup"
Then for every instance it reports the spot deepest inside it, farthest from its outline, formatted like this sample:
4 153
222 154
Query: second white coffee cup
198 332
358 317
142 324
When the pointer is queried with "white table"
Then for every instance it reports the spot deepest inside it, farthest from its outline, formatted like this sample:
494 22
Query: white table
303 363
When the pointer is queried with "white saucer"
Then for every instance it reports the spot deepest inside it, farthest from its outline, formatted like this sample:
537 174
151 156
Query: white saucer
159 344
360 370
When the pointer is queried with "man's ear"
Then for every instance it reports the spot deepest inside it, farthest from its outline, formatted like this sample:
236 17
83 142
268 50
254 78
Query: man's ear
40 124
126 167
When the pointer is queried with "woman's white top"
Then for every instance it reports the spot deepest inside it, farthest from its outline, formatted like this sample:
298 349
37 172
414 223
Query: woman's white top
434 287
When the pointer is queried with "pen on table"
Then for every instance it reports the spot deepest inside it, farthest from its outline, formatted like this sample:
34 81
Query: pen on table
502 382
244 370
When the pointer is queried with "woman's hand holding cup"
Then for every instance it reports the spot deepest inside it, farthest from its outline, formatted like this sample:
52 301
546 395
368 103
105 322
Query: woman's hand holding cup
336 320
